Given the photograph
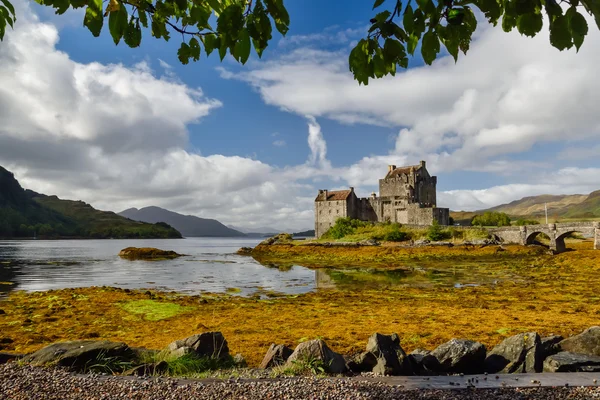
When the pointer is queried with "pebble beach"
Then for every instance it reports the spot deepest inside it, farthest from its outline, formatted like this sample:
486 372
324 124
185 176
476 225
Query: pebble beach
27 382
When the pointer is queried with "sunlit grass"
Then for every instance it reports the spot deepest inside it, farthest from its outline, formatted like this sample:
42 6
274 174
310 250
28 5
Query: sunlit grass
152 310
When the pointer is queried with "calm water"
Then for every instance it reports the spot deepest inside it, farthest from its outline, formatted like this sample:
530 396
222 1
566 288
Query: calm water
211 265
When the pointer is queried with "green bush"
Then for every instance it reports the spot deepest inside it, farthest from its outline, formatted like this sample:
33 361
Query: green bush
522 222
435 233
344 227
491 218
395 234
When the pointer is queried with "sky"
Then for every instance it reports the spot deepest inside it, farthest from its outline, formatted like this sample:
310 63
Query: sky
251 145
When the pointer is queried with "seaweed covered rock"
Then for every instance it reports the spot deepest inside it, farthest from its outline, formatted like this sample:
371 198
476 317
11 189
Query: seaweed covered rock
281 238
391 359
423 362
81 355
518 353
147 253
244 251
461 356
587 342
207 344
276 355
317 351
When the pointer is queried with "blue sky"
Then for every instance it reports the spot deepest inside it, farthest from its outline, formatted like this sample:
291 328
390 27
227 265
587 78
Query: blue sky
250 145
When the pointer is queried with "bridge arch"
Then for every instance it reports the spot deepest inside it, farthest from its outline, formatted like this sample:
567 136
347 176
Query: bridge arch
560 238
532 236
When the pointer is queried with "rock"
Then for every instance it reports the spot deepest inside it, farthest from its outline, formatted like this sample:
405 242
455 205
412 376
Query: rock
391 359
587 342
151 369
2 312
332 362
276 355
6 340
240 361
207 344
516 354
572 362
551 345
422 242
147 253
369 242
281 238
80 354
363 362
8 357
423 362
461 356
245 251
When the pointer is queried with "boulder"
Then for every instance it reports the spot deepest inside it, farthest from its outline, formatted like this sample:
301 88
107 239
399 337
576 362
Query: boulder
362 362
370 242
81 354
9 357
587 342
245 251
391 359
311 350
516 354
281 238
551 345
207 344
461 356
147 253
2 312
276 355
423 362
571 362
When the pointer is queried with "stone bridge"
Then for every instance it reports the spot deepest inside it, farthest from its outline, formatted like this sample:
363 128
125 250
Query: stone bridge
556 232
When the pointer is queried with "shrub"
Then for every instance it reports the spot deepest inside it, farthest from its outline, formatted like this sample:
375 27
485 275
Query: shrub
434 232
344 227
522 222
395 234
491 218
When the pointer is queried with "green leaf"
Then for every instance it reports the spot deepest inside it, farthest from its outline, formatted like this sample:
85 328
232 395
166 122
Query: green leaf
529 24
359 62
223 46
383 16
508 22
491 9
279 14
194 49
117 23
242 47
133 33
560 36
10 7
200 16
525 6
259 27
408 19
211 42
231 22
553 9
182 5
419 27
377 3
430 47
143 18
94 19
393 50
184 53
456 16
578 26
379 66
411 44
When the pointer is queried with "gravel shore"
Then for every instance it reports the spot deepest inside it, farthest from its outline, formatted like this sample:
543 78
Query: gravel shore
25 382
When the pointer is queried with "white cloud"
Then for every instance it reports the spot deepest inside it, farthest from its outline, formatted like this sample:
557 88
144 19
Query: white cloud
279 143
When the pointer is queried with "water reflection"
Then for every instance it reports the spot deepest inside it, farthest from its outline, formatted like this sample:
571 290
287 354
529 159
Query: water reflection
211 266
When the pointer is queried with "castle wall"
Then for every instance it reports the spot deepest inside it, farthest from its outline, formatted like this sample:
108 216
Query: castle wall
327 212
416 215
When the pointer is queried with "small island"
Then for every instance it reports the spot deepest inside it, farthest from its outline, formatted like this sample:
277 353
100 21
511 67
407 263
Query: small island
148 254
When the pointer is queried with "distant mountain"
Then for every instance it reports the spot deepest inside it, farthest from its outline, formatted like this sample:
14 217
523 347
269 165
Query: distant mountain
309 233
559 206
264 230
188 225
25 213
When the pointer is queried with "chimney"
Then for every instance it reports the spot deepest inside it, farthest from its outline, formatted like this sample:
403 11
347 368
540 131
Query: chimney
373 195
391 168
422 164
326 194
351 189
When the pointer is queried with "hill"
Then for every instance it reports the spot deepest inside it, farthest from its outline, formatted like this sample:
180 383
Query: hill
24 213
188 225
576 206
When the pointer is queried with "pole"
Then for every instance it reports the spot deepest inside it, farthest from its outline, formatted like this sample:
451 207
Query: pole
546 207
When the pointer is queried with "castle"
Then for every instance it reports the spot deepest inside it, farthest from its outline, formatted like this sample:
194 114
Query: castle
407 195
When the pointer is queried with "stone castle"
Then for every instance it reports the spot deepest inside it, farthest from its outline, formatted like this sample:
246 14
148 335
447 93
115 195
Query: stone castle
407 195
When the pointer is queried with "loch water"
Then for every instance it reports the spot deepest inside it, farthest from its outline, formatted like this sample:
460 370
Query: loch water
210 265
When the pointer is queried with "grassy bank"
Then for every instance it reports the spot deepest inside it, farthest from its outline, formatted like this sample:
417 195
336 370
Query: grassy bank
552 295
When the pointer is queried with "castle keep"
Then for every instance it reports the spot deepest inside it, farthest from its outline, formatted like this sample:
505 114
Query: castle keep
407 195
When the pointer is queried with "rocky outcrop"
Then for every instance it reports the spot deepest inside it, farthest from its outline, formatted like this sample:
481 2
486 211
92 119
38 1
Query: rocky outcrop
81 354
391 359
571 362
244 251
587 342
317 350
460 356
282 238
276 355
147 253
551 345
519 353
9 357
207 344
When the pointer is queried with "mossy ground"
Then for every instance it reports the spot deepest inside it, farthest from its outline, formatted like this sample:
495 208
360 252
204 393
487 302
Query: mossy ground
553 295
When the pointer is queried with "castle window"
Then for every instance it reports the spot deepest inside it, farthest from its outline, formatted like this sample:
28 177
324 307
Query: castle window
329 211
338 211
